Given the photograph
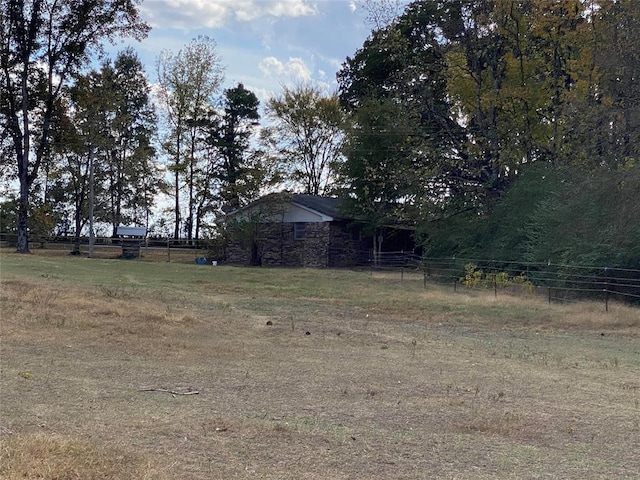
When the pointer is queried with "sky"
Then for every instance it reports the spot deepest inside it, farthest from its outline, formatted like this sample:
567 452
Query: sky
263 44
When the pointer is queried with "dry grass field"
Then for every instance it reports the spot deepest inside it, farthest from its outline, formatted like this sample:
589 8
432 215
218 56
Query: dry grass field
115 369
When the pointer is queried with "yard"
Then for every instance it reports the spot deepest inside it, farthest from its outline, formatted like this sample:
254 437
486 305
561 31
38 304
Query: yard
114 369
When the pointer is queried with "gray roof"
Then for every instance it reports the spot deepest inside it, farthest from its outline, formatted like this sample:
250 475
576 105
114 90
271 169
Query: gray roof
326 205
329 206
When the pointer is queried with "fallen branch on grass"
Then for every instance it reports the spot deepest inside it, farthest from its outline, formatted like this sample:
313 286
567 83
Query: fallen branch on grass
172 392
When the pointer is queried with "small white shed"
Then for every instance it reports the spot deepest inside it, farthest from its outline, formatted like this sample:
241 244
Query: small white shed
131 239
131 232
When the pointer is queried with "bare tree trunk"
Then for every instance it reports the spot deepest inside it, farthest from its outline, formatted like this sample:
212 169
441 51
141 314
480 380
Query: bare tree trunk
92 236
76 236
23 212
375 248
23 168
176 231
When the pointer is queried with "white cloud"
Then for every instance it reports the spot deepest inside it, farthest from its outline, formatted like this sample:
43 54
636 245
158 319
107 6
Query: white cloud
193 14
250 10
294 69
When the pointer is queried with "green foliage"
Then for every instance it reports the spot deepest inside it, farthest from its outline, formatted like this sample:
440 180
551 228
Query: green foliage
375 178
8 214
551 214
189 81
307 136
523 139
43 221
504 231
592 221
57 37
232 160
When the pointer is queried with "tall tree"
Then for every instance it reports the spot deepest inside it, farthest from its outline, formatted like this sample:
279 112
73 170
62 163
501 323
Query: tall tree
487 84
375 178
71 177
308 134
544 90
43 43
132 177
229 135
404 65
189 81
616 96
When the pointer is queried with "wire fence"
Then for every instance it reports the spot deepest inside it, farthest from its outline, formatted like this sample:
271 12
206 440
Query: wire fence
150 249
557 282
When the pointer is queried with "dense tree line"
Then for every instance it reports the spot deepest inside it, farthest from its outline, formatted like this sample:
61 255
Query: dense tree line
496 128
503 128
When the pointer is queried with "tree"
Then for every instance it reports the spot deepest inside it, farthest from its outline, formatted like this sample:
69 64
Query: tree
84 141
43 44
374 178
189 82
614 117
486 84
229 135
510 109
308 134
131 175
381 13
402 69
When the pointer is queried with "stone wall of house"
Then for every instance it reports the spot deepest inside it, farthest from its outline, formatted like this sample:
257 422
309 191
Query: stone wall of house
237 250
279 248
334 244
315 247
275 246
345 244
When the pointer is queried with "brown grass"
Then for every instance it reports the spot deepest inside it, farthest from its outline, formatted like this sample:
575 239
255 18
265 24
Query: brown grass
305 373
55 457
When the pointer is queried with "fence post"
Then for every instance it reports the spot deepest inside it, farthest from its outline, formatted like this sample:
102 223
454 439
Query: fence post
402 273
168 251
606 289
549 295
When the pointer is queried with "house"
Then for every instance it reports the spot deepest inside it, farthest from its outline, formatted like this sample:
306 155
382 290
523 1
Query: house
297 230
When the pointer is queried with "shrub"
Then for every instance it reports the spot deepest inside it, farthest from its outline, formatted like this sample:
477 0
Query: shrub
474 277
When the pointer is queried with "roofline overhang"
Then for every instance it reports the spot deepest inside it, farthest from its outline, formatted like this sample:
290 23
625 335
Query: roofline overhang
323 217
